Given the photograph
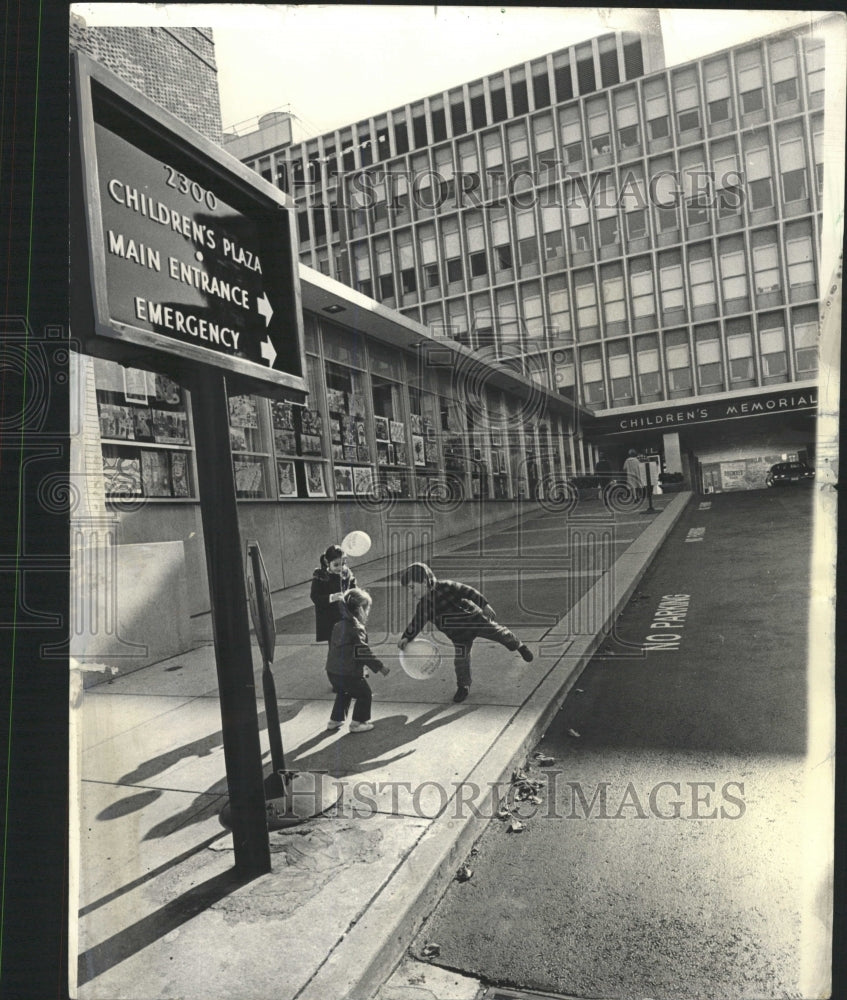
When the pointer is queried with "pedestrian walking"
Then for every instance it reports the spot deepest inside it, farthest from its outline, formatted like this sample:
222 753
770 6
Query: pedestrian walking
461 613
347 657
634 473
330 582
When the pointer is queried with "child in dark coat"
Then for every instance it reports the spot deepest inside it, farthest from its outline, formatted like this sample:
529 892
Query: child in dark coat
347 657
330 582
461 613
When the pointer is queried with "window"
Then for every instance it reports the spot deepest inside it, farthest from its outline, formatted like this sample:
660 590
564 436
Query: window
533 313
658 122
609 72
766 268
620 376
726 184
709 369
702 275
679 368
457 116
793 170
362 269
774 357
688 110
562 77
559 307
740 351
814 66
608 230
581 237
649 376
592 380
750 88
564 370
627 117
636 223
759 178
586 306
798 253
520 98
598 131
507 316
784 76
406 262
733 276
806 348
613 300
144 433
641 290
670 281
501 240
718 99
817 141
527 242
475 235
384 269
452 250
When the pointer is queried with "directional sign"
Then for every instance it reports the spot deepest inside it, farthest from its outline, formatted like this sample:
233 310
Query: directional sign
191 254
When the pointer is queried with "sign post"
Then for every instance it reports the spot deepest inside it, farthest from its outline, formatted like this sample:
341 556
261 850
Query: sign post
189 267
292 796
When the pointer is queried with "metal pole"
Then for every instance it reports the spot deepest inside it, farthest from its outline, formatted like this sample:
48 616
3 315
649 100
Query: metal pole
650 508
230 622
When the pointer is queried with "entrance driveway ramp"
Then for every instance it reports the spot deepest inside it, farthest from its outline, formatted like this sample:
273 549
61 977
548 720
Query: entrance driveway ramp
162 915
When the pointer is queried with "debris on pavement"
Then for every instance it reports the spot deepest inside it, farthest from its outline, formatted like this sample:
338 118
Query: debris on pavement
464 873
543 760
574 733
579 690
515 826
431 950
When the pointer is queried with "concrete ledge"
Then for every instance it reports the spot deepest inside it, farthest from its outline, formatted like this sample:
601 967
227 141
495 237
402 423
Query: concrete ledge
373 946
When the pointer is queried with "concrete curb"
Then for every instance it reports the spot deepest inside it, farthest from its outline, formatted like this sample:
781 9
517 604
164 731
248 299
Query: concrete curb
374 945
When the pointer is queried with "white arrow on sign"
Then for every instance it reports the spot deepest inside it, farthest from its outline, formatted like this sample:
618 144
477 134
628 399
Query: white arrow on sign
268 351
265 308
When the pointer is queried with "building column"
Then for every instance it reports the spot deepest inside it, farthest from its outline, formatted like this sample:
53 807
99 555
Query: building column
673 455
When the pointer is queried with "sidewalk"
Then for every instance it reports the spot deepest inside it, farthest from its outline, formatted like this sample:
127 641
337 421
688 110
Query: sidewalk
161 915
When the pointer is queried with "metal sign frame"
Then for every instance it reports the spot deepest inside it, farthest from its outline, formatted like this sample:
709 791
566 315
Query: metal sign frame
100 96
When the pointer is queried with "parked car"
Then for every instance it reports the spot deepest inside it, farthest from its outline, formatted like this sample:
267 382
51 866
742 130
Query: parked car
785 473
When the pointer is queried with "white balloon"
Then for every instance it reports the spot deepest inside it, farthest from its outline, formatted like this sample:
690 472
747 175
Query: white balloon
420 659
356 543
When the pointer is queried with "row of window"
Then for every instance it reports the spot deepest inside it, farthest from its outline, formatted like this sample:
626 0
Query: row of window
766 267
734 87
678 364
373 424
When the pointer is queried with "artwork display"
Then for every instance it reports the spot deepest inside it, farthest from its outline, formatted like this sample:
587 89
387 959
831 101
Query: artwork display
237 439
343 480
338 452
382 452
116 422
167 391
282 416
248 476
242 411
381 428
135 385
401 454
398 430
311 422
285 442
310 444
122 476
180 482
362 481
143 420
155 473
170 427
315 483
286 479
417 423
356 406
418 449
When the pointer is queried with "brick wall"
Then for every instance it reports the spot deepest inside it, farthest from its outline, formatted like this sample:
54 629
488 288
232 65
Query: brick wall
174 67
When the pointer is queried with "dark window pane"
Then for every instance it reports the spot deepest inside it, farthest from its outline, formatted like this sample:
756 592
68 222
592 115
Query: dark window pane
585 76
719 110
457 116
439 125
752 100
386 286
633 61
609 68
564 86
419 131
454 269
541 90
498 104
520 101
401 137
478 111
478 264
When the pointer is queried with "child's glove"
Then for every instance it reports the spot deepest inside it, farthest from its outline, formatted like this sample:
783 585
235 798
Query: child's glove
335 597
403 643
385 671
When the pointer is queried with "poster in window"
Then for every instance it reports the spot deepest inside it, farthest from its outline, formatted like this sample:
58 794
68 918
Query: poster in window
286 479
362 481
338 452
350 432
364 451
398 430
116 422
315 483
430 452
135 385
179 474
417 423
335 431
496 440
282 416
429 430
418 449
310 444
401 455
336 400
394 483
382 452
170 427
122 476
381 428
237 439
351 453
285 442
357 405
343 480
242 411
167 391
248 476
155 473
311 422
143 420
